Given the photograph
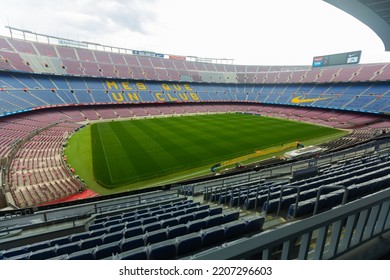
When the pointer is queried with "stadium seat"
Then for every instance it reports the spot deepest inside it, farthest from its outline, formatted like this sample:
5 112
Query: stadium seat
155 236
253 223
87 254
164 216
215 211
214 220
91 242
24 256
169 222
196 225
59 241
15 252
97 232
107 250
212 236
131 243
176 231
201 214
39 246
133 224
135 254
152 226
131 232
43 254
149 220
79 236
234 229
185 218
68 248
230 216
188 243
165 250
111 237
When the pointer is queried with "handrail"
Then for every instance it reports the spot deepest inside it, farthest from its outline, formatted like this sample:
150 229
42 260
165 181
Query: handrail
268 240
281 195
345 196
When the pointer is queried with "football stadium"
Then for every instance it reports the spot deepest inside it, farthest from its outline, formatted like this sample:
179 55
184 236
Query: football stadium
109 153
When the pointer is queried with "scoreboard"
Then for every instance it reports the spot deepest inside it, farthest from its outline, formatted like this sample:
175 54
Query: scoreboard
337 59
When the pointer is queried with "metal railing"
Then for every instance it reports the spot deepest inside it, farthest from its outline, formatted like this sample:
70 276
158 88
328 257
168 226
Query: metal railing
327 235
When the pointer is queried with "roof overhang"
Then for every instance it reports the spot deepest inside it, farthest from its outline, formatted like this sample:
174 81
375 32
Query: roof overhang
373 13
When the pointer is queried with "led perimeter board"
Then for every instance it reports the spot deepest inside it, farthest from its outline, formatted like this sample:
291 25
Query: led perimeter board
337 59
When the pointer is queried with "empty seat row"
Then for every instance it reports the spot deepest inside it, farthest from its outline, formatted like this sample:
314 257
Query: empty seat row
150 233
136 248
131 212
334 198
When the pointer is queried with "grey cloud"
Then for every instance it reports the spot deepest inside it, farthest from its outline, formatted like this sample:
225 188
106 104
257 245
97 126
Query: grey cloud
97 16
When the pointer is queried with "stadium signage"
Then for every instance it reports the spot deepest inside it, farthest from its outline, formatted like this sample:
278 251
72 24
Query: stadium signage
177 57
299 99
337 59
139 92
151 54
71 43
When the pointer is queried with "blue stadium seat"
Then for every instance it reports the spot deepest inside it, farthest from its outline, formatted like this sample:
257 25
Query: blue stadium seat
39 246
152 226
165 250
135 254
131 232
107 250
111 237
91 242
169 222
97 232
68 248
191 209
234 229
15 251
230 216
176 231
196 225
155 236
215 211
95 226
116 228
149 220
157 212
201 214
212 236
128 244
43 254
165 216
59 241
188 243
185 218
79 236
253 223
60 257
112 222
24 256
214 220
87 254
133 224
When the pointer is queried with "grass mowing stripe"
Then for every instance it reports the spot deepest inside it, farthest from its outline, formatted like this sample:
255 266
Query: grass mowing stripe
100 163
144 164
179 153
145 149
189 138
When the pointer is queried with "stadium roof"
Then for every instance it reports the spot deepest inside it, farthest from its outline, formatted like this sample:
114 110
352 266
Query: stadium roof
374 13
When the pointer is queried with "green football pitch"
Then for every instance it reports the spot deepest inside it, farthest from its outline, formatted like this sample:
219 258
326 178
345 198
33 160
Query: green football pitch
122 153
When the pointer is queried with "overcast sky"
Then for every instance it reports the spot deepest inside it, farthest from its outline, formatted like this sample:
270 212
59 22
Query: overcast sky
262 32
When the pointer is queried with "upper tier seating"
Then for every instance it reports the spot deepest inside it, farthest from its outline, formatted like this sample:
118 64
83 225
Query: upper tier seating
34 57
